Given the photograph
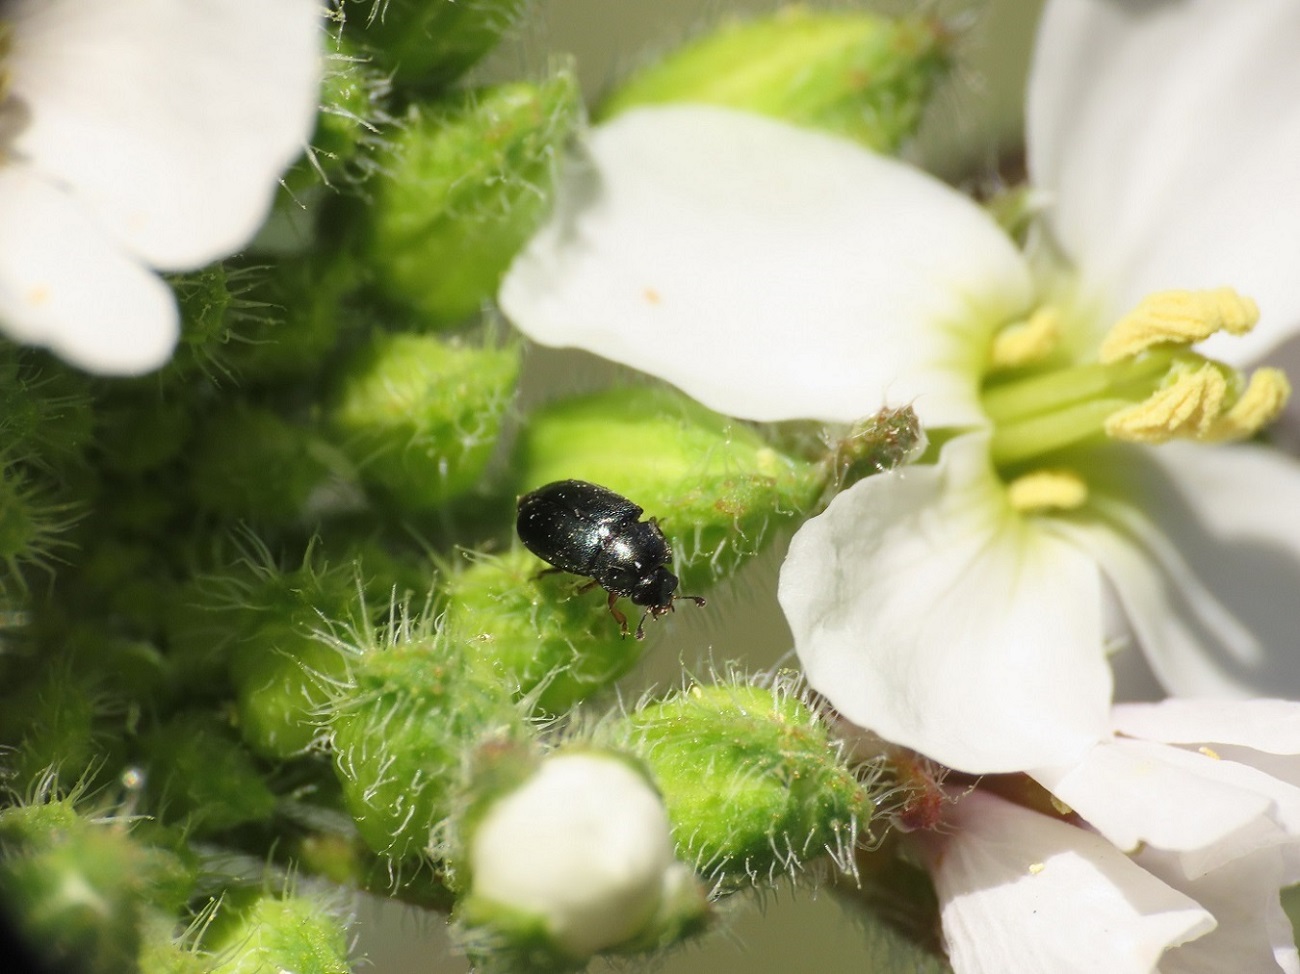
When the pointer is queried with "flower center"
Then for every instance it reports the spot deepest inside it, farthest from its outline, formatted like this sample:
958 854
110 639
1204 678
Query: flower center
1148 386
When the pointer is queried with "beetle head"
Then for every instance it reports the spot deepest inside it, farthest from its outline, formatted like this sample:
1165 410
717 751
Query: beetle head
655 590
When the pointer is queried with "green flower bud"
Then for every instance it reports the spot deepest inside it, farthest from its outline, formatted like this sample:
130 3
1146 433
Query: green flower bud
420 416
33 528
351 122
303 297
464 187
45 412
753 782
283 666
77 888
255 932
50 721
142 427
401 731
889 439
163 952
720 492
201 775
536 635
573 858
431 43
856 74
217 309
251 464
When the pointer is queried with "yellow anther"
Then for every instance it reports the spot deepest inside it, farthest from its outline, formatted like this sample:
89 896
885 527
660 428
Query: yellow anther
1026 342
1210 752
1047 490
1187 407
1180 317
1265 397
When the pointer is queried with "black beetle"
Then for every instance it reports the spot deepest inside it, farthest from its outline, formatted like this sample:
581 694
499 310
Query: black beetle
589 530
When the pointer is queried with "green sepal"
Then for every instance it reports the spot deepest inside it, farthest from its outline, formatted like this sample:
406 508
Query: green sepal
430 43
419 416
754 784
464 186
852 73
535 634
720 492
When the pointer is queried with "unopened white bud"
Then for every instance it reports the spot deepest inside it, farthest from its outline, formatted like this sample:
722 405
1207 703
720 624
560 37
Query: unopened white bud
584 846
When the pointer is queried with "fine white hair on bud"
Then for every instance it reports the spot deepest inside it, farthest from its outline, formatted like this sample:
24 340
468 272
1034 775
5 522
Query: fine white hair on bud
584 846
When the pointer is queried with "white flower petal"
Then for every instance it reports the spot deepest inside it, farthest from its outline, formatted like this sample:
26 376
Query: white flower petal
1022 892
770 272
1254 935
1272 726
172 120
64 286
1209 809
927 611
1168 135
1203 550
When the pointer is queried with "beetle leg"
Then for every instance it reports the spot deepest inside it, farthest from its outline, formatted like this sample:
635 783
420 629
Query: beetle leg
582 589
548 571
698 600
619 617
640 626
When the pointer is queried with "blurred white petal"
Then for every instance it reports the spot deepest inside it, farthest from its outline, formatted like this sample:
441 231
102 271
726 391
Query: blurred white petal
1166 135
169 120
66 286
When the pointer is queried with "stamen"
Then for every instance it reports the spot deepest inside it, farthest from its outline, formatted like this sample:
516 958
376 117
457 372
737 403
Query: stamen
1047 490
1187 407
1026 342
1180 317
1265 397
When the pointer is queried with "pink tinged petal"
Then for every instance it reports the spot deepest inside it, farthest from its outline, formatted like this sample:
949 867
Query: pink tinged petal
1167 134
1209 809
1272 726
1022 892
1254 935
65 286
768 271
171 120
927 611
1203 549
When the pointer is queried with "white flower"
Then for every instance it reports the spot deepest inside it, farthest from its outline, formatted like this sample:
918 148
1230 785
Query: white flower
135 136
584 846
958 607
1196 813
